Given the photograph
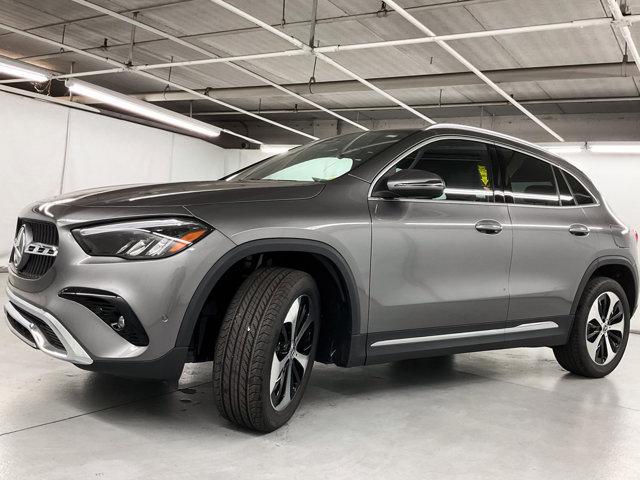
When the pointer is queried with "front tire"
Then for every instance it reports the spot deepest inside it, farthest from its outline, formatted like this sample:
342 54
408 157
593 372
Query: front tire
600 330
266 347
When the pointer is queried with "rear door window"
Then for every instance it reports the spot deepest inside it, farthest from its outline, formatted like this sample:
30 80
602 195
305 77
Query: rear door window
527 180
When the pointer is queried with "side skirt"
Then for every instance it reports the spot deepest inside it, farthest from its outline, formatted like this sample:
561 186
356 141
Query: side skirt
400 345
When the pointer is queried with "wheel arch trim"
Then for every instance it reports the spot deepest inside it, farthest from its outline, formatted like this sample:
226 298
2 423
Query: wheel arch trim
254 247
601 262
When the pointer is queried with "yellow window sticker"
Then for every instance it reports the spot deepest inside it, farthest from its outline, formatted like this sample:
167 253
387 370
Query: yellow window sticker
484 175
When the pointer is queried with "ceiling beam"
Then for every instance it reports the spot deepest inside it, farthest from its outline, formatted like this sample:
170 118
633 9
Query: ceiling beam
320 56
213 56
440 80
435 106
454 53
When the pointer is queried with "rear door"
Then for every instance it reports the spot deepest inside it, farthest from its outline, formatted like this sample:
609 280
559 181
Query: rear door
552 243
439 266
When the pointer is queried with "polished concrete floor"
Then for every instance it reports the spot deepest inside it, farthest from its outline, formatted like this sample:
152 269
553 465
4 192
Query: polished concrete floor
506 414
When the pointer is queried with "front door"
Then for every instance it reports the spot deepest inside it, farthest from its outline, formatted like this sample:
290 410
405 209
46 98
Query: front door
440 267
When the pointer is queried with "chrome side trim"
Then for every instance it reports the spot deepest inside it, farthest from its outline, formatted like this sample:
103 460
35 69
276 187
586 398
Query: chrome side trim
525 327
74 352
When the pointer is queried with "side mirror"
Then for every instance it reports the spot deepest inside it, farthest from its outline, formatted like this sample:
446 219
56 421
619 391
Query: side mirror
415 183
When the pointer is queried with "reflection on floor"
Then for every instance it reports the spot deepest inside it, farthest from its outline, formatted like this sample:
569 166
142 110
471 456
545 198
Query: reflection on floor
505 414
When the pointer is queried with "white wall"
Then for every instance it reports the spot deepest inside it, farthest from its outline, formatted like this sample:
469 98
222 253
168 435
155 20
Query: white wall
47 149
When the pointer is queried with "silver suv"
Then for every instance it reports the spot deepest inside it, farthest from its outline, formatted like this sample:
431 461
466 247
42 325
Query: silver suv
353 250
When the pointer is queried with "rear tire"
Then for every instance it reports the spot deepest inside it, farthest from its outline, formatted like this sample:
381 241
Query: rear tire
600 330
263 358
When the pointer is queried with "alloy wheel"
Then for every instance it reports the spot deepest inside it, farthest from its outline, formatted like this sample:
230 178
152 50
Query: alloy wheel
291 356
605 328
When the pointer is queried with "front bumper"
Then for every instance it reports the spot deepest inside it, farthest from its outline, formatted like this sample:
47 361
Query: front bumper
42 330
157 291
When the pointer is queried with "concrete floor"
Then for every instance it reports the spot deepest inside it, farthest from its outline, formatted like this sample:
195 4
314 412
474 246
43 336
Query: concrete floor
506 414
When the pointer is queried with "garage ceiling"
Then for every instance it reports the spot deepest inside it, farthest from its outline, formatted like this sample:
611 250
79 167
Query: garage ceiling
526 65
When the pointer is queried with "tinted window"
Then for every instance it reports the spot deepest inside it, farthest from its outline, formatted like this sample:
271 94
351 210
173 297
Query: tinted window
528 180
465 167
566 198
322 160
582 196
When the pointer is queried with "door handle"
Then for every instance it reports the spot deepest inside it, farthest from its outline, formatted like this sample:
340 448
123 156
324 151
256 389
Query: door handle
579 230
490 227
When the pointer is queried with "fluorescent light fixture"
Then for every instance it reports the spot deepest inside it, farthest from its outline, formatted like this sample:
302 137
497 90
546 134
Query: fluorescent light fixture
615 147
22 70
140 107
275 149
565 148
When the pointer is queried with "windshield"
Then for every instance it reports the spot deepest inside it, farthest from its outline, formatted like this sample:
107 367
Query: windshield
323 160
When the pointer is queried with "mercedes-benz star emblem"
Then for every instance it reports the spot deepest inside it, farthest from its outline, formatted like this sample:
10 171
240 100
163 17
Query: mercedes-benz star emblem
22 240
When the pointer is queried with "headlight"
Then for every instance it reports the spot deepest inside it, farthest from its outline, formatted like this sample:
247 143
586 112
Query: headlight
141 239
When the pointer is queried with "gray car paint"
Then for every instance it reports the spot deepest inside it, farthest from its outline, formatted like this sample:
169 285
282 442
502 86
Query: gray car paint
432 268
427 266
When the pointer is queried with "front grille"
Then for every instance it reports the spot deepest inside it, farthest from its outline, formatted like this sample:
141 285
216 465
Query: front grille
21 329
43 232
43 326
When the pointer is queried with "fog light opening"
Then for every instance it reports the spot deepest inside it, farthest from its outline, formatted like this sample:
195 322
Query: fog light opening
119 325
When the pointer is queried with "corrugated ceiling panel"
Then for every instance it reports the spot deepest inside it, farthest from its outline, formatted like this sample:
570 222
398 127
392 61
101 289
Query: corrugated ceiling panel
270 11
57 10
16 46
200 76
259 41
23 16
296 69
141 4
215 76
92 33
513 13
589 45
195 17
391 28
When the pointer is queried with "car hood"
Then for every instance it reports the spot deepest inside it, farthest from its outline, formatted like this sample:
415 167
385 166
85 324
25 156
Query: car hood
189 193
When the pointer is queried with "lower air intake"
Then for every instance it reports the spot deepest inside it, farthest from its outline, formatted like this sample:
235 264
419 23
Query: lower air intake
111 309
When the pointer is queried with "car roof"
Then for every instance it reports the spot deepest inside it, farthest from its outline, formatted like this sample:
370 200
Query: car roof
484 131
